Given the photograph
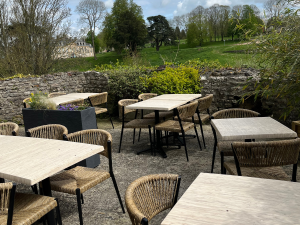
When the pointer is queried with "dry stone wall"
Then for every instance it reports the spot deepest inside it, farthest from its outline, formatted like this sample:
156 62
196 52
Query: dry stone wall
13 91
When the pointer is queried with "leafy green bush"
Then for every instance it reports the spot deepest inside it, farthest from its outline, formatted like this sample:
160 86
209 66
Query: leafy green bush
179 80
197 63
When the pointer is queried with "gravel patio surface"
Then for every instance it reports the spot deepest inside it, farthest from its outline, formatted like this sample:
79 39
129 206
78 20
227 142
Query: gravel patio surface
101 205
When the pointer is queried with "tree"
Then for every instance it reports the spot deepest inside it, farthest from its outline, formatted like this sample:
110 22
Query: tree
213 20
160 30
96 41
223 20
91 13
177 33
125 26
182 34
274 8
30 33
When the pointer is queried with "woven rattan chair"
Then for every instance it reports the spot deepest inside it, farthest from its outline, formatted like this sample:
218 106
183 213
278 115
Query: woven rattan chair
178 126
9 128
55 94
76 102
78 180
296 127
100 99
25 103
150 195
134 124
50 131
264 159
25 209
225 147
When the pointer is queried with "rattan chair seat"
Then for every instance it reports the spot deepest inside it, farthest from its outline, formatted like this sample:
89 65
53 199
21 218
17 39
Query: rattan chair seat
162 115
29 208
203 117
99 110
79 177
274 172
174 126
140 123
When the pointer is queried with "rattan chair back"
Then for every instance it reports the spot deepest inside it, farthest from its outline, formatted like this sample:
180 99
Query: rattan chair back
9 128
266 154
50 131
76 102
55 94
205 102
150 195
92 136
146 96
7 195
122 105
25 103
98 99
187 110
234 113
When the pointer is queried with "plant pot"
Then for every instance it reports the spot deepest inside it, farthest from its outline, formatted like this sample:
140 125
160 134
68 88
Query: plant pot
72 120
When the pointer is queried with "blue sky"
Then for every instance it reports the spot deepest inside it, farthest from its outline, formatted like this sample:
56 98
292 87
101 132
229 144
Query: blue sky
167 8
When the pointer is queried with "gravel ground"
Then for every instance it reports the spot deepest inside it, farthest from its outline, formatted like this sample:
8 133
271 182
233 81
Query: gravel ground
101 205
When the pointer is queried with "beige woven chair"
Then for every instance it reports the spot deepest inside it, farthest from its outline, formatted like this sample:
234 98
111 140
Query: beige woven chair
225 147
200 118
9 128
76 102
264 159
25 209
134 124
296 127
150 195
78 180
50 131
100 99
55 94
178 126
25 103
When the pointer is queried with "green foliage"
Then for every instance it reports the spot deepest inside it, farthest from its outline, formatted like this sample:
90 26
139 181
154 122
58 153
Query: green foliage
96 41
19 75
125 26
204 64
40 101
179 80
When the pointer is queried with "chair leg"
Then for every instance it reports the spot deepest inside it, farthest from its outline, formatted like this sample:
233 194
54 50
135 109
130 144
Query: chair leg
58 216
34 189
214 156
155 144
121 139
186 153
151 144
222 163
140 134
112 124
79 205
2 180
133 135
117 191
198 138
82 202
202 134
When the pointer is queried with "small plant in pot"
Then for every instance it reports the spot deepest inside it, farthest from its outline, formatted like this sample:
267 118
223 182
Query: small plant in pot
41 101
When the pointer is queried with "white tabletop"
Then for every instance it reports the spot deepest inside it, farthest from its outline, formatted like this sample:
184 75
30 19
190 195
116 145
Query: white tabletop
251 128
164 102
70 97
224 199
31 160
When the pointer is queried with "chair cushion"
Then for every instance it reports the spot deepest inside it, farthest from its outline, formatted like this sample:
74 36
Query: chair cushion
275 172
174 126
140 123
162 115
79 177
29 208
203 117
99 110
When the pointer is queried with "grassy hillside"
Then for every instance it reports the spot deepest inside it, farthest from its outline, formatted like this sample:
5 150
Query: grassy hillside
209 51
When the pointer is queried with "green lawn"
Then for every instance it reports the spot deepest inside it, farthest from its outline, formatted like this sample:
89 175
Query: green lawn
209 51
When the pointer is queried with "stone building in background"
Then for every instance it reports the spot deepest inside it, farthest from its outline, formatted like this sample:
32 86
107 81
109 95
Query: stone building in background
74 49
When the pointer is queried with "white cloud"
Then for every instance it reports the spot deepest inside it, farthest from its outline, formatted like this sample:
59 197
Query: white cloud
109 3
165 2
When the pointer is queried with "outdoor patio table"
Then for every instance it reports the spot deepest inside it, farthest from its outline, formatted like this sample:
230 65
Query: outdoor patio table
248 129
165 102
71 97
32 160
225 199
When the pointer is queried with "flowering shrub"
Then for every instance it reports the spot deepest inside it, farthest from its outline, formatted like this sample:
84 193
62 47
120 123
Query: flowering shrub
40 101
71 107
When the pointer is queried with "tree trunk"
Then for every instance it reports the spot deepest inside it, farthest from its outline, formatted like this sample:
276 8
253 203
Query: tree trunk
93 43
232 37
157 45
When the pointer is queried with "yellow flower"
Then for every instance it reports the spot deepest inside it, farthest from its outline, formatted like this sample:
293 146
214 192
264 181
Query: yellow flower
32 94
30 100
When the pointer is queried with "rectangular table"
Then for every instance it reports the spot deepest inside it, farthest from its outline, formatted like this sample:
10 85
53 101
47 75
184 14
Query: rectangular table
237 129
31 160
224 199
71 97
165 102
